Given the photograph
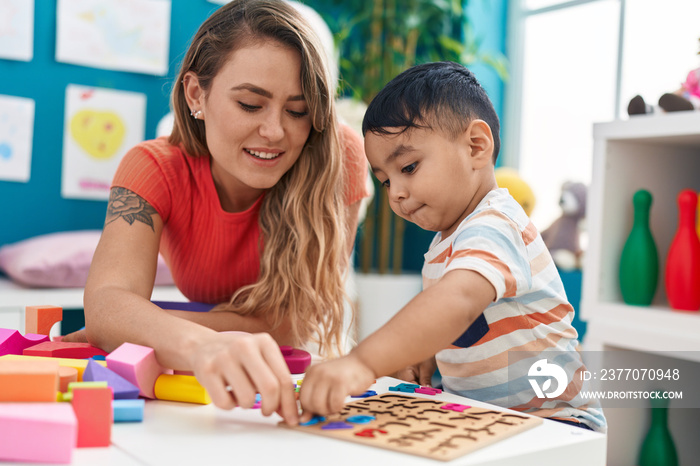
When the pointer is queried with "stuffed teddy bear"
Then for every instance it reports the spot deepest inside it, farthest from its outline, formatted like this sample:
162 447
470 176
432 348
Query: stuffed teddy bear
563 236
687 97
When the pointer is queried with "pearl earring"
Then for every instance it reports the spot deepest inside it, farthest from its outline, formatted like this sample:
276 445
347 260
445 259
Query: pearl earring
196 114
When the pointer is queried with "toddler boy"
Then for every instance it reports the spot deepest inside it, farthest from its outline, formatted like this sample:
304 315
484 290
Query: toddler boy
490 286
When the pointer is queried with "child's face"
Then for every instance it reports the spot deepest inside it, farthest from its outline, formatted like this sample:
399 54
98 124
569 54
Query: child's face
430 179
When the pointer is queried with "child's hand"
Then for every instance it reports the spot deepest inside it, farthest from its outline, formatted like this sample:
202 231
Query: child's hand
326 385
420 373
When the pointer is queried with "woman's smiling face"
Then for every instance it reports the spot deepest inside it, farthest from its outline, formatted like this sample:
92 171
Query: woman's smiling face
256 118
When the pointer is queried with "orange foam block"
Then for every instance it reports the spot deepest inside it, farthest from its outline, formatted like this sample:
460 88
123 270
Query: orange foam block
13 342
28 380
37 432
66 375
138 365
93 408
183 388
78 364
60 349
40 319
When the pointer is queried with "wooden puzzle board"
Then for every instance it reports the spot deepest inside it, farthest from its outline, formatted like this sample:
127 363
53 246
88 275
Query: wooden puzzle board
421 426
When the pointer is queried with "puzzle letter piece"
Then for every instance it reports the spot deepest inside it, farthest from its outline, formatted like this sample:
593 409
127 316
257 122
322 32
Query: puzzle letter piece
37 432
12 342
40 319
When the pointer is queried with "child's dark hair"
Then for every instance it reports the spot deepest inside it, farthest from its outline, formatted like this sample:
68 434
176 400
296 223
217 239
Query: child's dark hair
445 95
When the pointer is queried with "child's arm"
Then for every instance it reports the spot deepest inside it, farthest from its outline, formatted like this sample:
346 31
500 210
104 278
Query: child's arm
427 324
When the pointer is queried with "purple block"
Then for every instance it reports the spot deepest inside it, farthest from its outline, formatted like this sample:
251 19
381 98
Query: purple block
122 388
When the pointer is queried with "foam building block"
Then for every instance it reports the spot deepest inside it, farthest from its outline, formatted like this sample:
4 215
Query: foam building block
40 319
128 410
186 388
13 342
28 380
79 364
138 365
37 432
60 349
66 375
297 360
93 408
123 389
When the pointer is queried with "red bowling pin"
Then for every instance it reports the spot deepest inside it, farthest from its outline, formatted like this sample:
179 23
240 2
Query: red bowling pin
683 261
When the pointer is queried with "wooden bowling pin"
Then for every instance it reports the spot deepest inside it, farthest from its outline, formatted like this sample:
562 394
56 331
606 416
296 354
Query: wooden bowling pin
639 263
683 261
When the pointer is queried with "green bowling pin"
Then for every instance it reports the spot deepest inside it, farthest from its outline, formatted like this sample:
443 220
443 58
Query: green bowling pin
658 448
639 263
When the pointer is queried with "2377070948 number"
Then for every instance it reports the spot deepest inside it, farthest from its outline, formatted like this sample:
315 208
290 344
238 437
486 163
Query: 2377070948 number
632 374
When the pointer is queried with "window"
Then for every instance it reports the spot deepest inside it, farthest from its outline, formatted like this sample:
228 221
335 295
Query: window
575 63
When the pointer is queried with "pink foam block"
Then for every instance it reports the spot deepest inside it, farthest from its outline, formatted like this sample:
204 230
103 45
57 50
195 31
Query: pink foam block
12 342
138 365
37 432
123 389
60 349
297 360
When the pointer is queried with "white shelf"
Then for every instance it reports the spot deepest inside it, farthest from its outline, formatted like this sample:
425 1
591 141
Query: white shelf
659 153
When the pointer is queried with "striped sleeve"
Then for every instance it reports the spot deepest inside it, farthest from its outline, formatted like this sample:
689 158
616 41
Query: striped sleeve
494 247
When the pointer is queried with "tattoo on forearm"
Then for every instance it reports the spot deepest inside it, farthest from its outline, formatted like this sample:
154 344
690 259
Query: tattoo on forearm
129 206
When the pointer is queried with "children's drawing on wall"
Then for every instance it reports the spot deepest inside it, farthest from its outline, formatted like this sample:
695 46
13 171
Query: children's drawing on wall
129 35
16 128
17 29
100 126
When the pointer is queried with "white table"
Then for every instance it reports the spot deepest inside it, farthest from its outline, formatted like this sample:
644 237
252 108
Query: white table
179 433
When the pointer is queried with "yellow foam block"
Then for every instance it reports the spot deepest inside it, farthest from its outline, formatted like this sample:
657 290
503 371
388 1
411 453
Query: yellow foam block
173 387
28 380
79 364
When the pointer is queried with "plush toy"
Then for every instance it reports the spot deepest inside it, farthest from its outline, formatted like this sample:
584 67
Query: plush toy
687 97
517 187
563 237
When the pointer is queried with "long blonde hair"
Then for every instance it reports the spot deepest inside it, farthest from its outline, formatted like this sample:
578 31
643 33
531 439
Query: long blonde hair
302 221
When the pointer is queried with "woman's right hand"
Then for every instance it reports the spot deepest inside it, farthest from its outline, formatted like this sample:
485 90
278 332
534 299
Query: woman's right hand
234 366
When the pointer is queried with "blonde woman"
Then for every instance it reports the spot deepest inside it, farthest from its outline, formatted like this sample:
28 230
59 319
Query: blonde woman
253 202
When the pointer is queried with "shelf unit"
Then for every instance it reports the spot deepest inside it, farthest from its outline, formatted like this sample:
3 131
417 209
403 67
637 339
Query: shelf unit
659 153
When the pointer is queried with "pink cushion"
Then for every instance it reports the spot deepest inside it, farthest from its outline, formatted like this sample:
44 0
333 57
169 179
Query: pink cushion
58 260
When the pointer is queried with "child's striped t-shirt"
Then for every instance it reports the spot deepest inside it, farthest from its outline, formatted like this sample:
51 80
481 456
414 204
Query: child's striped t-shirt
530 317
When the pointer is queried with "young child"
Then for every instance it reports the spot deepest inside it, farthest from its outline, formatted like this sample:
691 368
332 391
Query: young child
490 285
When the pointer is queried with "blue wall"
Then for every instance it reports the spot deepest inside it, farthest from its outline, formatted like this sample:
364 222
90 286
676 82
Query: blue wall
36 207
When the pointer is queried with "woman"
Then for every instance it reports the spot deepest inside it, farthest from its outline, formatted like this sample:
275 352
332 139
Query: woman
251 203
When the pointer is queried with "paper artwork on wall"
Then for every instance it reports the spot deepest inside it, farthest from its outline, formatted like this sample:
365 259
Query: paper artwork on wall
128 35
100 126
17 29
16 130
